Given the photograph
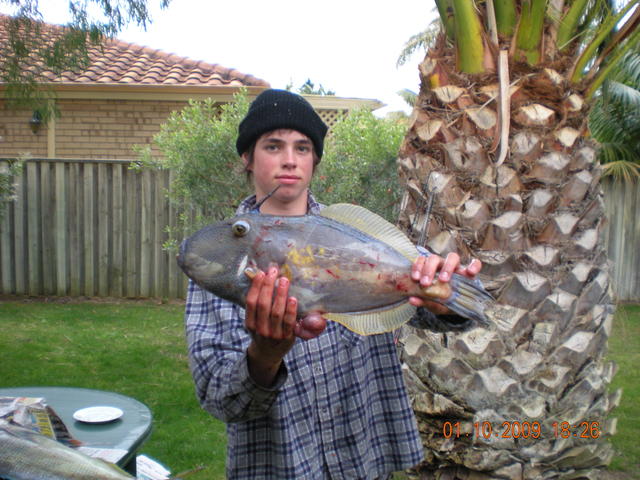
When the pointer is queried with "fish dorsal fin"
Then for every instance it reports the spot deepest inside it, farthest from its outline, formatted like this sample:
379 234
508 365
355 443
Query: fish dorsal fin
373 225
375 321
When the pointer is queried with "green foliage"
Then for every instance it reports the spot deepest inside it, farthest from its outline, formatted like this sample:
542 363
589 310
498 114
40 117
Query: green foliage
309 88
208 183
615 120
624 350
198 147
30 49
8 170
409 96
359 164
419 42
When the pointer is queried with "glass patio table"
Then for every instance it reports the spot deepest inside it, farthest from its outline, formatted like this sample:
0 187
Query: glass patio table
126 433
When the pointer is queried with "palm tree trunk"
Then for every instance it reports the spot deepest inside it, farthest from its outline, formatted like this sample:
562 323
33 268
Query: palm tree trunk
526 398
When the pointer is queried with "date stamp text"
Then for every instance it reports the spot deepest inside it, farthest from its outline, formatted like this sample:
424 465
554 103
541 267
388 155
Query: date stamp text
525 429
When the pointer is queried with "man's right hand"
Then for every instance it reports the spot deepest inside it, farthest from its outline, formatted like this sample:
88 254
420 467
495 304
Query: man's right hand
271 321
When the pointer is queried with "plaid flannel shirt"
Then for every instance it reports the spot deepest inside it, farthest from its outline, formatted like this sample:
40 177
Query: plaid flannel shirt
338 408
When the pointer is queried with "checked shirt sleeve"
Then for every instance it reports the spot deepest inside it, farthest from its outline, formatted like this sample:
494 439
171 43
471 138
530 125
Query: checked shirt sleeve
217 342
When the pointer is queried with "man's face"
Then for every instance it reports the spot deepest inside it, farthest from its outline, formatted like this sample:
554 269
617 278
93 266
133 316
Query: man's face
285 158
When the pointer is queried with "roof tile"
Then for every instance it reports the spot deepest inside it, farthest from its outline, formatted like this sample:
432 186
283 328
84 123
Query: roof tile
128 63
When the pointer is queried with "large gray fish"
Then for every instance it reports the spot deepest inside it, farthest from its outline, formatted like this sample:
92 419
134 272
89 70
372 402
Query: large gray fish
347 263
26 455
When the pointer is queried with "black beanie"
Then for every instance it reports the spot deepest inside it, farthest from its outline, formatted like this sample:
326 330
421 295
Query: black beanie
274 109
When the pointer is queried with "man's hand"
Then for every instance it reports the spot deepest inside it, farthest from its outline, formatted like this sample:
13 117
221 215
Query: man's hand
424 271
271 321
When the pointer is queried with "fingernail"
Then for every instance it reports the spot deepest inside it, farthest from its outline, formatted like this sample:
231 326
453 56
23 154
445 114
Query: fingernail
444 276
425 280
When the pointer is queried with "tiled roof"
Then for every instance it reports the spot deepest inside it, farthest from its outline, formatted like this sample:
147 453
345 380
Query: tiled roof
118 62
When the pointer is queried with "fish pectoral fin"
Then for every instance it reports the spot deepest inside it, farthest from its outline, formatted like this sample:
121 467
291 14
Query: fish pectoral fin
375 321
373 225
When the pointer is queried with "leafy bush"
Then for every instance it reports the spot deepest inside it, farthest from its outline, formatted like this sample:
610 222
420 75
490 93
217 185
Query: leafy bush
359 164
8 169
198 146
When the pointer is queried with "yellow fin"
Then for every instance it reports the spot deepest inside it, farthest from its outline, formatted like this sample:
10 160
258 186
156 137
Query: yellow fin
375 321
373 225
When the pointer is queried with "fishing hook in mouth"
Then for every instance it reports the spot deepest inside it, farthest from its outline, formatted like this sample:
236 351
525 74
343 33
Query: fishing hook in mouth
259 204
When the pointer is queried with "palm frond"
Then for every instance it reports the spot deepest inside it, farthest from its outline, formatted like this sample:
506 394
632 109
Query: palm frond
629 70
603 31
409 96
422 40
613 152
621 170
612 124
614 119
626 95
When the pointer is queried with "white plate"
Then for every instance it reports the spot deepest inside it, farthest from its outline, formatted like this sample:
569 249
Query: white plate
98 414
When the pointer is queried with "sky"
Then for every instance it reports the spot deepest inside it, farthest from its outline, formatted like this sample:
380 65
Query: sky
348 46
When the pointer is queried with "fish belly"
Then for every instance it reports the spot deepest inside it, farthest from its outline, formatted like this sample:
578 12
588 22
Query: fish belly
337 272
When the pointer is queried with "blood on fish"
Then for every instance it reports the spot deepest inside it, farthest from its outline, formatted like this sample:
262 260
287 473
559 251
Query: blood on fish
362 262
332 274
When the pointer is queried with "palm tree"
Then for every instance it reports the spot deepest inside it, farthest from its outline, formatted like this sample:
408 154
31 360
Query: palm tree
614 120
498 138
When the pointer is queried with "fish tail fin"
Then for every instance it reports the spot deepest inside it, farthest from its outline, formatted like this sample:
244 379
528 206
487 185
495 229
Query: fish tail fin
468 299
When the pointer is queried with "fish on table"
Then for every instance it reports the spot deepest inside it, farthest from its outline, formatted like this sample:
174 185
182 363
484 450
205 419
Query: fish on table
347 263
27 455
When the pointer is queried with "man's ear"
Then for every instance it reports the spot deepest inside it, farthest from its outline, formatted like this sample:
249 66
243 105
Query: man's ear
245 161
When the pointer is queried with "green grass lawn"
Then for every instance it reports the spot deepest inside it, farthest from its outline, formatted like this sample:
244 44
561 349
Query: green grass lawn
624 349
138 349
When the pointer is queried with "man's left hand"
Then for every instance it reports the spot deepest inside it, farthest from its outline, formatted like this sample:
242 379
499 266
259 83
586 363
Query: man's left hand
425 269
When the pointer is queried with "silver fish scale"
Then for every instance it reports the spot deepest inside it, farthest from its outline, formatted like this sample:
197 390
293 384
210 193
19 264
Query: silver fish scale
332 268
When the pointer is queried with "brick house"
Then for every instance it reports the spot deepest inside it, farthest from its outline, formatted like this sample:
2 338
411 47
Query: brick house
123 97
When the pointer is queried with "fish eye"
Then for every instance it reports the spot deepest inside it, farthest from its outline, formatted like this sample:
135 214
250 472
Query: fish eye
240 228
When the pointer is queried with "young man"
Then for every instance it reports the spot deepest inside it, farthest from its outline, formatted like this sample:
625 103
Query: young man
301 399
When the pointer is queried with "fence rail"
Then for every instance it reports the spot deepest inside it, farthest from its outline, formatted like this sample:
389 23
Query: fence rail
96 228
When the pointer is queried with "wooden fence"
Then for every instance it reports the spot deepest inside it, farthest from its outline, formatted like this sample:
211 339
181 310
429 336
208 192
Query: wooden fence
622 208
96 228
89 228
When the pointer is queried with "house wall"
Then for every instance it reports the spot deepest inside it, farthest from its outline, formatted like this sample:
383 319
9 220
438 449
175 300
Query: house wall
16 136
86 129
97 128
108 129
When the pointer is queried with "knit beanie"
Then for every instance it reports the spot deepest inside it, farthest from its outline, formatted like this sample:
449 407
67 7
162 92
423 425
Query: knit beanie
274 109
